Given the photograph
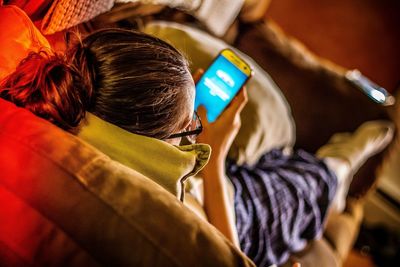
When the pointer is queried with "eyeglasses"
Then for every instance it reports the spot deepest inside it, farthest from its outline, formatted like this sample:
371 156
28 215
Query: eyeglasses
193 130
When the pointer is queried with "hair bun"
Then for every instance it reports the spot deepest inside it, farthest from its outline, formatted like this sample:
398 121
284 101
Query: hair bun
50 88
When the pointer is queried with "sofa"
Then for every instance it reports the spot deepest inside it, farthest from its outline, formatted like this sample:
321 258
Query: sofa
80 208
64 203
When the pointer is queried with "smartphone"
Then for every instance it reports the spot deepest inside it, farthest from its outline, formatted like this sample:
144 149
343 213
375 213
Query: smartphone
221 82
375 92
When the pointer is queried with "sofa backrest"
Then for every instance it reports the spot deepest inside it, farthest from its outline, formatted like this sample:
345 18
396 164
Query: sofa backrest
62 202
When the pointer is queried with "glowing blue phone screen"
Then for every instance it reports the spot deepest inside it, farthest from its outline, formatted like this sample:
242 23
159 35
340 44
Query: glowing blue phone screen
218 86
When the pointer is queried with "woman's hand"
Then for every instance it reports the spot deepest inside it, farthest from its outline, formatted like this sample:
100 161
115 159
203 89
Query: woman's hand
221 133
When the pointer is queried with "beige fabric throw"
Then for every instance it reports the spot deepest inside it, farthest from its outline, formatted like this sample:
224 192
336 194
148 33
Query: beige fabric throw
64 14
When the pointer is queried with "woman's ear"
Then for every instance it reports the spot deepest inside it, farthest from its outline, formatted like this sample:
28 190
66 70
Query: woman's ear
174 141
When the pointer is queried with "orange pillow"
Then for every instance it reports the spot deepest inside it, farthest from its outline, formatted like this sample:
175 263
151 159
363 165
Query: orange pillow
18 37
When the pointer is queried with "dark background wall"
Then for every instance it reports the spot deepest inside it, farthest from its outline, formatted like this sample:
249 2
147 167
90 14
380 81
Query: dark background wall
363 34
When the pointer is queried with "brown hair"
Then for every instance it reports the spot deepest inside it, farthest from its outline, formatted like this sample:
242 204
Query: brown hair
133 80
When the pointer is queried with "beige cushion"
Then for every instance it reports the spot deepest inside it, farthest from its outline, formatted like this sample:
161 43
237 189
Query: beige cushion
266 120
70 205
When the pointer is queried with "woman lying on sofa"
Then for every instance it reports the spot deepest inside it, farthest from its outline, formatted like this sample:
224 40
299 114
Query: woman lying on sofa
132 96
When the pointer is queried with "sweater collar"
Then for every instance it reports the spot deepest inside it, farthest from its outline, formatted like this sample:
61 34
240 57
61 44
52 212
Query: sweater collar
167 165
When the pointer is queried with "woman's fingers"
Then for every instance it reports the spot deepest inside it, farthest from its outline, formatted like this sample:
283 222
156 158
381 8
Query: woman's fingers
239 101
232 112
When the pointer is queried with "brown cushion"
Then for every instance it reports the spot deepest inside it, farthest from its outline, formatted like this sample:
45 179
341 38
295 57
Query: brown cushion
65 203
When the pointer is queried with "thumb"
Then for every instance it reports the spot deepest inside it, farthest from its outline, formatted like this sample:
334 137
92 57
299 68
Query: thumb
201 110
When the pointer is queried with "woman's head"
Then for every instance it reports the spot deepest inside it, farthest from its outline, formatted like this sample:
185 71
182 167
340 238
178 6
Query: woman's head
130 79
